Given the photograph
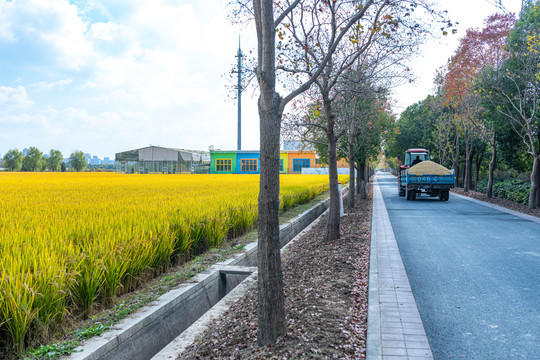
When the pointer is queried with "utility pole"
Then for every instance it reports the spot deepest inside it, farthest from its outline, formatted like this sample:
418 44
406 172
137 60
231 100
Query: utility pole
239 88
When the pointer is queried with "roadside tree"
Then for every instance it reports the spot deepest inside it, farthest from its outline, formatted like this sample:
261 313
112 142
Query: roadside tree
33 161
54 162
513 89
13 160
276 19
77 161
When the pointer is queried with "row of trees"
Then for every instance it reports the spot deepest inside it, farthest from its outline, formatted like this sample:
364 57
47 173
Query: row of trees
486 104
34 160
330 59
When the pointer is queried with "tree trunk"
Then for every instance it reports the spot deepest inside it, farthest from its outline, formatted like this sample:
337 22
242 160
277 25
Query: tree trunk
271 307
350 200
455 161
479 159
467 172
359 177
535 174
492 164
362 191
368 175
332 231
332 225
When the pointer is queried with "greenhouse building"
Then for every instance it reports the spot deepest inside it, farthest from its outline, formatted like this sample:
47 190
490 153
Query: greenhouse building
160 160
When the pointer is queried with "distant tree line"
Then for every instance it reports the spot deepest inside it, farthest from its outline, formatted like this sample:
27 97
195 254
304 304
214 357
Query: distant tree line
35 160
485 114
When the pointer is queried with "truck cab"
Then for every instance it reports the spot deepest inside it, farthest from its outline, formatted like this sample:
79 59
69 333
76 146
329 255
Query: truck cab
411 154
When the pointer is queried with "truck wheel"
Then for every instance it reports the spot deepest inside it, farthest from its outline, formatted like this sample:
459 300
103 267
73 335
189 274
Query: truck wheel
401 192
408 193
441 195
446 195
413 195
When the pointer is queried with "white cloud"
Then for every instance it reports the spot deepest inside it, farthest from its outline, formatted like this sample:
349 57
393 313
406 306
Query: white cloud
46 33
48 85
14 99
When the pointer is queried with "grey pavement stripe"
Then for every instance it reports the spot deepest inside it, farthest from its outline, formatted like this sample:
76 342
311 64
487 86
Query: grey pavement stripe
395 329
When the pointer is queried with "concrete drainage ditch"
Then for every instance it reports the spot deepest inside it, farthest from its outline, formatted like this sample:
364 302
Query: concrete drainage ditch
172 323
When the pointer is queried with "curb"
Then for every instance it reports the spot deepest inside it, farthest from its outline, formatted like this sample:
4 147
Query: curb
373 339
395 329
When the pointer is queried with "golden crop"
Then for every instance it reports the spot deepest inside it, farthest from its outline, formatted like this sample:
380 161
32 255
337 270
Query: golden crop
69 239
428 168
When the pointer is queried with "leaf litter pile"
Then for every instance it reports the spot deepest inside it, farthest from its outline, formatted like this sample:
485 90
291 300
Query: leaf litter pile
326 285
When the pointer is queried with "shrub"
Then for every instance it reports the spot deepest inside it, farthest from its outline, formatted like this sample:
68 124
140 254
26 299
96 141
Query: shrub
515 189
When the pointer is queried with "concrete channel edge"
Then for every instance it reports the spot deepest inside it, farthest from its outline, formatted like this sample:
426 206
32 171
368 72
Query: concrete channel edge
219 285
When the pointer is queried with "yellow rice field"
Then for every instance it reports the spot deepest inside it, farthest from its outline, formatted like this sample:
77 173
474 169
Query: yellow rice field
70 239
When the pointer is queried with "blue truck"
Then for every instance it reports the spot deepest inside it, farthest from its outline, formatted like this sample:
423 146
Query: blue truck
410 185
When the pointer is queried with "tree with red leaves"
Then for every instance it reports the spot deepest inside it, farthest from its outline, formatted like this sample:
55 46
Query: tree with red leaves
478 49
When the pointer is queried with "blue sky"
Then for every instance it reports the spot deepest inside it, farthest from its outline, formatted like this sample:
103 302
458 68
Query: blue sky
105 76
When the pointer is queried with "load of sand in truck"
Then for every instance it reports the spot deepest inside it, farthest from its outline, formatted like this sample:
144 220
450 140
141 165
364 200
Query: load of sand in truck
428 168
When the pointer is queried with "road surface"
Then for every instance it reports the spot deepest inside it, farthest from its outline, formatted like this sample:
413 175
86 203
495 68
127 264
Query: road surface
475 274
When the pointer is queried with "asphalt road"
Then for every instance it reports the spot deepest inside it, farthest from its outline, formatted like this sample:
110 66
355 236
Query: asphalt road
474 272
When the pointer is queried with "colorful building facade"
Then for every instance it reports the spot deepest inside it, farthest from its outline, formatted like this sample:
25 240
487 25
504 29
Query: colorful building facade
299 160
248 162
222 162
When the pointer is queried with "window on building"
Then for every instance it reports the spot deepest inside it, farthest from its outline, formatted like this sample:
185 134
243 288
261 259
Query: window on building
249 165
298 164
223 165
281 165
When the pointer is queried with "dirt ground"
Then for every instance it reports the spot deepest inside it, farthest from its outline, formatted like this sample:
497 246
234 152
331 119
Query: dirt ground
326 288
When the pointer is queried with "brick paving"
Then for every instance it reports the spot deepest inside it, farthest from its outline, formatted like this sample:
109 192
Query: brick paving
395 329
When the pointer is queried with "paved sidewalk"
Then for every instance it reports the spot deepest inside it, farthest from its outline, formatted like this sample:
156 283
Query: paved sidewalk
395 329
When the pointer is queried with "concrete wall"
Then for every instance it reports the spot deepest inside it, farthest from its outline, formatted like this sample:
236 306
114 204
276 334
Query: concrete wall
324 171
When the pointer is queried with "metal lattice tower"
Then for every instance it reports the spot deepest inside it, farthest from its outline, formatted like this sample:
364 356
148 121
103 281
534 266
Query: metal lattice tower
239 88
525 3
